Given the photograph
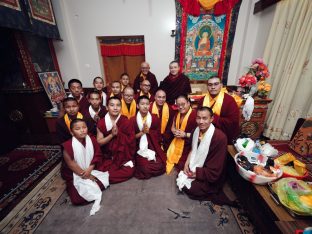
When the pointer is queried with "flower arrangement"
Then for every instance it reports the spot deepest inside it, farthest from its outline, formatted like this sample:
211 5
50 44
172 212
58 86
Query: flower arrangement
259 69
257 72
263 88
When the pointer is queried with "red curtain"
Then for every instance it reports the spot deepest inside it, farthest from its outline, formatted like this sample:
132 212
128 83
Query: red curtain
122 49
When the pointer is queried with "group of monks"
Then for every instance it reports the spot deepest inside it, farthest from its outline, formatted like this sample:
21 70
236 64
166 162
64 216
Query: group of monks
145 130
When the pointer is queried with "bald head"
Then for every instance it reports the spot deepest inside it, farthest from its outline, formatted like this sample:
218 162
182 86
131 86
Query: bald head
160 97
145 67
128 94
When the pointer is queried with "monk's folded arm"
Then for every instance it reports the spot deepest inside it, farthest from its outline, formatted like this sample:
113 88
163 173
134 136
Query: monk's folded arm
72 164
101 139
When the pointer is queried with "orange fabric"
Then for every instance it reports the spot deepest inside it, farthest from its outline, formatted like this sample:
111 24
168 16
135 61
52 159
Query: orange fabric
141 94
165 115
124 109
215 102
208 4
175 149
68 120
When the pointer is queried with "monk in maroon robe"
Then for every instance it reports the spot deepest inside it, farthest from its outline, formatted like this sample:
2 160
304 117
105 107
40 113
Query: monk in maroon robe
145 88
95 111
116 136
175 83
63 124
114 90
209 178
76 90
182 127
68 168
226 118
150 158
160 108
145 74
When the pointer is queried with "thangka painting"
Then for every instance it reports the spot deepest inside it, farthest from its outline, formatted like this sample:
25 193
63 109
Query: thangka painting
203 46
53 86
204 43
13 4
42 10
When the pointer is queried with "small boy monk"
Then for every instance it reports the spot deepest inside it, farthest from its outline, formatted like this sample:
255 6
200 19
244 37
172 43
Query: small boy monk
82 154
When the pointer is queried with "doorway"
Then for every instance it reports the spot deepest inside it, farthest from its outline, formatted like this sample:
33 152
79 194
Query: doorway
121 54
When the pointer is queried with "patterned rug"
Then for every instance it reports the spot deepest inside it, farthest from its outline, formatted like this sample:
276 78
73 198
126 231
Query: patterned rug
174 213
21 170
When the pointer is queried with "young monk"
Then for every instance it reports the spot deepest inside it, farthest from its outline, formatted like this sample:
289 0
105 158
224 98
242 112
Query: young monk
203 175
182 127
124 81
76 90
115 89
150 158
71 109
98 84
165 114
82 156
117 140
128 104
95 111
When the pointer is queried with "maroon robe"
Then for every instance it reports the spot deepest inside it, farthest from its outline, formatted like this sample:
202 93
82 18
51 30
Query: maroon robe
211 177
83 104
67 173
146 169
175 87
167 136
228 121
118 151
190 127
92 124
150 77
62 131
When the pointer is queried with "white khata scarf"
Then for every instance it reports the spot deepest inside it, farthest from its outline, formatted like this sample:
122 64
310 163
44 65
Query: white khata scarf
109 125
92 112
87 188
198 156
144 151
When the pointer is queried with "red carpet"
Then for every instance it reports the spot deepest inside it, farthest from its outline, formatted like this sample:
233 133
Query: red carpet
21 170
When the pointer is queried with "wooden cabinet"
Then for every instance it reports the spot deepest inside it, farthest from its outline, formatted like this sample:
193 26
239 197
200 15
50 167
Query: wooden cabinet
254 127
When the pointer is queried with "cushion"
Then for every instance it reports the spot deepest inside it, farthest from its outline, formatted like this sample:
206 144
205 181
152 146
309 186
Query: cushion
302 141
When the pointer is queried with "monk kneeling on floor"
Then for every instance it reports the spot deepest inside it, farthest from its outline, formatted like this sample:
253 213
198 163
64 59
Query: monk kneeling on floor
115 134
82 155
150 158
203 175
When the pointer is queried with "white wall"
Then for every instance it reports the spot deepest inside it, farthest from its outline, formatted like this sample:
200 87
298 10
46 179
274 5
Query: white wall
250 38
81 21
